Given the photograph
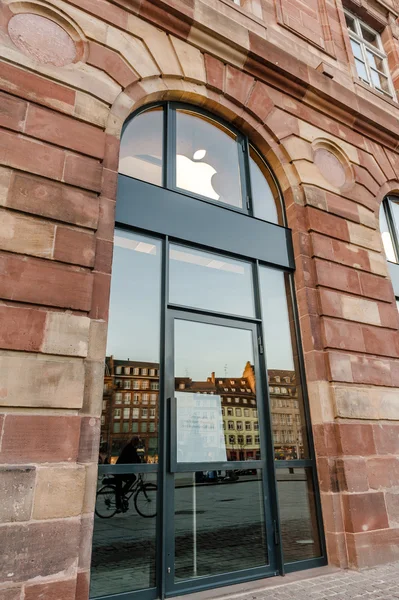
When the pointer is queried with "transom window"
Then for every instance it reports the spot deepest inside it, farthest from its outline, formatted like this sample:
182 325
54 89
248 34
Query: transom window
370 58
202 157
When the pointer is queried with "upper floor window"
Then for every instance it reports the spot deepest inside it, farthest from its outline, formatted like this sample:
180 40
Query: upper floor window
203 158
370 58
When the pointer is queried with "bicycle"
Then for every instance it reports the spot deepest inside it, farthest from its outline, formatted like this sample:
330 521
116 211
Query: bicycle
144 498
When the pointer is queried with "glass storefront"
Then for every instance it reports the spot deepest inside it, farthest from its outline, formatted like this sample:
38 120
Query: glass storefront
206 469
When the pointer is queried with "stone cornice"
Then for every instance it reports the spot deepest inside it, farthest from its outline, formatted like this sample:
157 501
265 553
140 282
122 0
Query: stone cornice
273 66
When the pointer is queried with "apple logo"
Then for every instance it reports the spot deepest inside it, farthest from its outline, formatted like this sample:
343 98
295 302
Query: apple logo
195 176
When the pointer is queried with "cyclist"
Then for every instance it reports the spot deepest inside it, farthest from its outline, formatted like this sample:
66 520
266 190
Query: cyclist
128 456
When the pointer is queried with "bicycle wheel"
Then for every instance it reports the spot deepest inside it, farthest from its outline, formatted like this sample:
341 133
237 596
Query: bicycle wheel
106 502
145 500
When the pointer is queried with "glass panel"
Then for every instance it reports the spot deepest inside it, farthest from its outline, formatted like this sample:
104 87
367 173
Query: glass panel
386 235
207 159
215 384
132 346
265 197
375 61
361 70
369 36
298 519
394 206
210 281
219 523
356 49
288 418
141 147
380 81
350 22
119 563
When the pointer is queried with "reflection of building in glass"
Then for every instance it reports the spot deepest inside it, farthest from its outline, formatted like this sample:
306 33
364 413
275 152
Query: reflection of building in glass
130 407
239 410
286 415
240 413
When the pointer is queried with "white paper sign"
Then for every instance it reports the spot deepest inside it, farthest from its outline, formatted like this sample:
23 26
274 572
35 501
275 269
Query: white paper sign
199 423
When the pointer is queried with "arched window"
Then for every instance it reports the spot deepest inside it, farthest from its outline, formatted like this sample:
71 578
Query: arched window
202 315
389 217
202 157
389 227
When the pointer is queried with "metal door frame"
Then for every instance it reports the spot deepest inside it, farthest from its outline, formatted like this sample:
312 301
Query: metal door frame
171 587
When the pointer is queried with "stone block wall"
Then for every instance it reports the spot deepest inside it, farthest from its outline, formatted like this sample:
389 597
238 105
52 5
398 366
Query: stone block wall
334 148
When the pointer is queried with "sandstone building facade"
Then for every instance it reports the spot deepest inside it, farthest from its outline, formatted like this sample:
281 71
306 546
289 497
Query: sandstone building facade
308 92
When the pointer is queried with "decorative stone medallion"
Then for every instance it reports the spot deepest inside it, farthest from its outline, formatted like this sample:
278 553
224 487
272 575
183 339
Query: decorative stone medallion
42 39
330 167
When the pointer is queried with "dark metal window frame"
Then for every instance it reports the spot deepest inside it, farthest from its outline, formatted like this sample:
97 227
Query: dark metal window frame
155 212
169 155
393 228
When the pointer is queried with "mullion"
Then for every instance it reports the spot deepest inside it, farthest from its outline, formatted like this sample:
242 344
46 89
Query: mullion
161 534
170 146
246 188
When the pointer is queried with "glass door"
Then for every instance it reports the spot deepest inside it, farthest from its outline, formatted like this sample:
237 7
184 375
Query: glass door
219 524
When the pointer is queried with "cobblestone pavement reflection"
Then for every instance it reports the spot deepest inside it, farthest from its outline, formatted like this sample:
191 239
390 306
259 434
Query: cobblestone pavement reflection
380 582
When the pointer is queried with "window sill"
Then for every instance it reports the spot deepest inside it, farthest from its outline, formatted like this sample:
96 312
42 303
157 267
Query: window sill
393 102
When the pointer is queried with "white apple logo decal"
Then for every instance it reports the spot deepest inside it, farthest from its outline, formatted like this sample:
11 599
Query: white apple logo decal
195 176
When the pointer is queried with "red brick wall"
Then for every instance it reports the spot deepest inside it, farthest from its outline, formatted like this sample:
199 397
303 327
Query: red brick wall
59 130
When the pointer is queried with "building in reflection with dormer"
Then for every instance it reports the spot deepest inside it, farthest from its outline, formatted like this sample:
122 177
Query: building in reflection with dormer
285 413
240 412
131 408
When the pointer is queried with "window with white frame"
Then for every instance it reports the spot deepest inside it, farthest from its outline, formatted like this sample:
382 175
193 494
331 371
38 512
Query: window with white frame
370 58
